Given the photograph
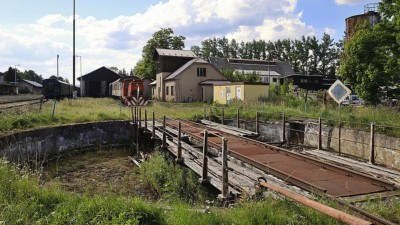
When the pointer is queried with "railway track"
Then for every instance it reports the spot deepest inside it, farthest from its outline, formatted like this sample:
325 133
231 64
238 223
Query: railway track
313 175
21 103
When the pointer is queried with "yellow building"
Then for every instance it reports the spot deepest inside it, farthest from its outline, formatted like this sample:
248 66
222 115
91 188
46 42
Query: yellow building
239 91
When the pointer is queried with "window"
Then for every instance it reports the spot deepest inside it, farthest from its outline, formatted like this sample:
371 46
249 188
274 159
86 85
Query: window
274 80
167 90
304 81
201 72
172 90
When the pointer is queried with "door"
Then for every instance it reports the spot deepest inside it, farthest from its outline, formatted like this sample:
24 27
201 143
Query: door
239 93
228 95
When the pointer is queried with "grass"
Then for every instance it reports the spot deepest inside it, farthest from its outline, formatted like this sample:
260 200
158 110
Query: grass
99 109
24 201
66 112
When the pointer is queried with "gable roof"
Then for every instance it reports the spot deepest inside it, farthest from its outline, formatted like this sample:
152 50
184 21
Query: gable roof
154 83
101 73
175 53
214 82
264 67
33 83
184 67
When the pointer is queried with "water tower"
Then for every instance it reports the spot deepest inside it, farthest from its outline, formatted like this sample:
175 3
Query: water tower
371 14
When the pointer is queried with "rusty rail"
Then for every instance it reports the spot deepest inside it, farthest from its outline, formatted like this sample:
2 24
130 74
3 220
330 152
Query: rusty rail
334 213
196 131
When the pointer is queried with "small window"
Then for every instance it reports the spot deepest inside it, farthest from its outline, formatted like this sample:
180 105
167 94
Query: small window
274 80
167 90
172 90
201 72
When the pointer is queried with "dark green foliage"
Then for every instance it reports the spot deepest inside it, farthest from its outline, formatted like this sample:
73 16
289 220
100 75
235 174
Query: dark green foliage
306 55
370 60
10 75
164 38
236 76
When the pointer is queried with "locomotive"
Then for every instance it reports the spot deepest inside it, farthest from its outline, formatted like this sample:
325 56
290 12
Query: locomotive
127 88
53 88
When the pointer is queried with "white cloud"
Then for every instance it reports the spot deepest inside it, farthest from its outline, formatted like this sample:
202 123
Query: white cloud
330 31
52 19
350 2
119 41
274 29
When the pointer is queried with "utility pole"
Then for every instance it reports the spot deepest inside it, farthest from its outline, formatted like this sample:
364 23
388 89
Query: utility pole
57 65
15 79
73 53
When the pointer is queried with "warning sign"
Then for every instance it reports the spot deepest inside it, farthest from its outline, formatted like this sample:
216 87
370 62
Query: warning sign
338 91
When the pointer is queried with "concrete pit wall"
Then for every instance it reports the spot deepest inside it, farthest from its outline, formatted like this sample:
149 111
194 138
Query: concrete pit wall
18 147
353 142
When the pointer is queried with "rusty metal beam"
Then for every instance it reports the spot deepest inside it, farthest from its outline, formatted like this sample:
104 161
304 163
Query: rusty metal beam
334 213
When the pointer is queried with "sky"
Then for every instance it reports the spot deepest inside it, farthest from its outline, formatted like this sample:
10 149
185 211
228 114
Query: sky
112 33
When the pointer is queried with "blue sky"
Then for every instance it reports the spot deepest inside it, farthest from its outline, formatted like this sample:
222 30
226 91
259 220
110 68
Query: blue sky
113 32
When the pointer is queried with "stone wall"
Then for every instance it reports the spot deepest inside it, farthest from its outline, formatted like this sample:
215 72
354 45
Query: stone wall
20 146
355 143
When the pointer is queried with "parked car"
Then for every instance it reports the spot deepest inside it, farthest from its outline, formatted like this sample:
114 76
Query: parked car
353 100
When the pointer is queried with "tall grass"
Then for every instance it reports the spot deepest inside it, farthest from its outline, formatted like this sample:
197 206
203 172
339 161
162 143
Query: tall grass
167 180
66 111
24 201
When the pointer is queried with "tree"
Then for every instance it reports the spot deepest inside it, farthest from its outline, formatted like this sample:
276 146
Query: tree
241 76
31 75
59 78
370 59
11 74
307 55
164 38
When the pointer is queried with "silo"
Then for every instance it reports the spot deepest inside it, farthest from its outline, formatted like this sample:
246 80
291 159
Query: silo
371 14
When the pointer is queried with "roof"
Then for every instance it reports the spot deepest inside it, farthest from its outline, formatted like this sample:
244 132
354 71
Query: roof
177 53
242 83
153 83
184 67
302 76
214 82
100 74
263 67
34 83
123 78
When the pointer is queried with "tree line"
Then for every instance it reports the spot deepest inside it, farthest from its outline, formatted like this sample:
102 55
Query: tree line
11 74
306 55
